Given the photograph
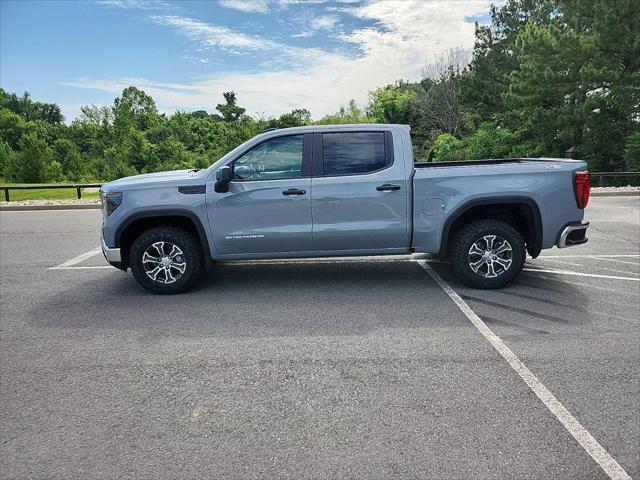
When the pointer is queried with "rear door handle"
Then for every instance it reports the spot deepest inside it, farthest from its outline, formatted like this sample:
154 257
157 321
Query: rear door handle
294 191
387 187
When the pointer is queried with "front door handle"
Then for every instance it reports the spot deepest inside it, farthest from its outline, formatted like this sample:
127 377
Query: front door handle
294 191
387 187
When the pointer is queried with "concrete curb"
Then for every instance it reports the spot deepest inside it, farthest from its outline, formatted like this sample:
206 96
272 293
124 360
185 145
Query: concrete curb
23 208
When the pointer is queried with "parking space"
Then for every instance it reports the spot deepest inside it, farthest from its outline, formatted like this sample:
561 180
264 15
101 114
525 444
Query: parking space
359 368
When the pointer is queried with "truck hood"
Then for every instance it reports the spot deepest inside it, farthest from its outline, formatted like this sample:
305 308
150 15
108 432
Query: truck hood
178 177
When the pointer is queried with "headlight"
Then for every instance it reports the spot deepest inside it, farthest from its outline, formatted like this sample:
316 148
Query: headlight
110 201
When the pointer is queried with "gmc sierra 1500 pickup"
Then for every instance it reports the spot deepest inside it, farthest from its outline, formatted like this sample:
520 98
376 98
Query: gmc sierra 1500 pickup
342 190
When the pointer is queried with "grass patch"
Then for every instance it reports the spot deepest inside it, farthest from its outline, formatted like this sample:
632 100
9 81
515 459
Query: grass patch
44 193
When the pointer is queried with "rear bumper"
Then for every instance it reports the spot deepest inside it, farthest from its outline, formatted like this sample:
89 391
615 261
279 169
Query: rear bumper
112 255
573 234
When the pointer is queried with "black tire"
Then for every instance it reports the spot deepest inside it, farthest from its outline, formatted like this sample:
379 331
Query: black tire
474 233
191 255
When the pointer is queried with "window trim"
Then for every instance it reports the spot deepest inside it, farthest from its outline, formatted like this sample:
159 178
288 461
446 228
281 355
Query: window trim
305 169
318 153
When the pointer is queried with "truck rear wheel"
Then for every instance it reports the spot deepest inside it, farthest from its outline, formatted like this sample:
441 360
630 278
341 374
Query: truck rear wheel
166 260
488 253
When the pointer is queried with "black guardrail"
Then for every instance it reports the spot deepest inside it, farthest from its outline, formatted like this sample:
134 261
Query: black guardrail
78 187
598 179
615 179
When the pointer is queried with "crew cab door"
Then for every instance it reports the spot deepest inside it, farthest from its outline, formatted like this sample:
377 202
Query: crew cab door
359 201
267 209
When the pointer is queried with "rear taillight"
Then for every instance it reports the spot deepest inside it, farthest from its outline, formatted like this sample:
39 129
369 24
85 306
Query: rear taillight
582 187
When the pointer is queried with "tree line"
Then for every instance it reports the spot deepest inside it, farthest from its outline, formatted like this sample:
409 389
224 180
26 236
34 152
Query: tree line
544 76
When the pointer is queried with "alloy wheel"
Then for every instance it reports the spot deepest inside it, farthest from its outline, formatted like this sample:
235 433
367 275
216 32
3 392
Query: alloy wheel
164 262
490 256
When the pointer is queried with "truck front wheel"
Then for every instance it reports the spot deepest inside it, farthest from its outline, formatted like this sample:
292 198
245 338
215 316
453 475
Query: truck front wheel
488 253
166 260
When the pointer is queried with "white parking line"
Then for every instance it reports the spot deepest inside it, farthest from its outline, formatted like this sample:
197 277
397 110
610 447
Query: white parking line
596 451
49 210
555 260
616 270
630 255
617 291
81 267
79 259
558 272
581 274
615 260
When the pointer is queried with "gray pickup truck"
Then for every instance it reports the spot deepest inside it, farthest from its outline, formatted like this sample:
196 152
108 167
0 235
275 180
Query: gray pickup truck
342 190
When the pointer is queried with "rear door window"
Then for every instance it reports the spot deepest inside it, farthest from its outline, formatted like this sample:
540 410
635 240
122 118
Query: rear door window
353 153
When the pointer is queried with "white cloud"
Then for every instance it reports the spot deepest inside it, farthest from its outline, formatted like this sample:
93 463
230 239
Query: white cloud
260 6
405 36
264 6
316 24
324 22
206 36
136 4
214 36
116 86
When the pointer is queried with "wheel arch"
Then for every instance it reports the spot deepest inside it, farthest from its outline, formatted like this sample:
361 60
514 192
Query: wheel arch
520 212
137 223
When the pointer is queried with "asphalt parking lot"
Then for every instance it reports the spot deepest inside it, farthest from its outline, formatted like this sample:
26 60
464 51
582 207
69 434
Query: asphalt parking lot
342 368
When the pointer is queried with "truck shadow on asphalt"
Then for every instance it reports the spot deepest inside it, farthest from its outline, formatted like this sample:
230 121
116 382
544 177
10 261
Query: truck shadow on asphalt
344 298
550 299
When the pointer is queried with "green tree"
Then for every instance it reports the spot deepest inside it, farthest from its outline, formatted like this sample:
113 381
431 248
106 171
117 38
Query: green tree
612 75
577 82
31 163
484 86
230 110
171 154
66 153
446 147
390 104
632 152
351 114
13 127
6 156
30 110
548 97
560 74
296 118
96 115
134 109
490 141
54 172
436 105
137 152
115 164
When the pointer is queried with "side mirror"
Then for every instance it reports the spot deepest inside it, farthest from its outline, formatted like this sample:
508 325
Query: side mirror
223 177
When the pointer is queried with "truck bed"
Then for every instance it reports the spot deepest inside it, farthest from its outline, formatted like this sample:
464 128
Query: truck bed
441 190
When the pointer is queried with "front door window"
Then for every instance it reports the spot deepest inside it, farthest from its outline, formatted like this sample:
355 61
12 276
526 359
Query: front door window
275 159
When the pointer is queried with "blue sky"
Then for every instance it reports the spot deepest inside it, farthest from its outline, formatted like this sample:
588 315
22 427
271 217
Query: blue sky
275 54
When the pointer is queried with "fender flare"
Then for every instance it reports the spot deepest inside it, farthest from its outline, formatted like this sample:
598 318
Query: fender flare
170 212
535 230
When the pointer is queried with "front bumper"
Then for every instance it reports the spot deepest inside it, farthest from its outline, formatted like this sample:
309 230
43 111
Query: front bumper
573 234
112 255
